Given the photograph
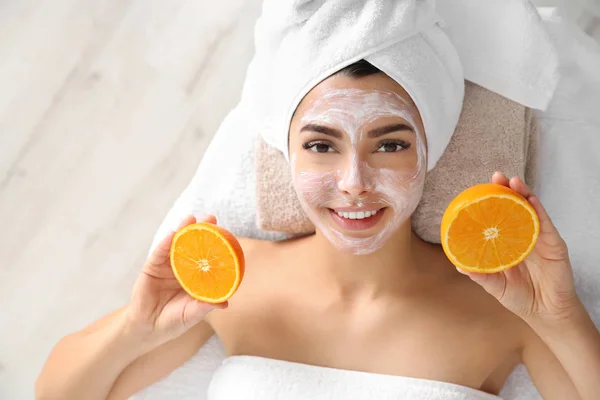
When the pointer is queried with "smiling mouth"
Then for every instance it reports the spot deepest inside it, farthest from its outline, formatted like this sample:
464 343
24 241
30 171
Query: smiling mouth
356 220
357 214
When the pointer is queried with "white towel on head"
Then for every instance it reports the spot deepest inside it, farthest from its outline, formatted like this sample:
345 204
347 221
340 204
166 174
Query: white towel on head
311 39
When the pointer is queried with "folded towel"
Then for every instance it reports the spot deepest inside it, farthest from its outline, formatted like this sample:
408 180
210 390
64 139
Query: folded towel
311 39
493 133
253 378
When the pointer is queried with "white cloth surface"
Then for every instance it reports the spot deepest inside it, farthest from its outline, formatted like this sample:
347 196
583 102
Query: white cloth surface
257 378
569 181
191 380
569 186
503 46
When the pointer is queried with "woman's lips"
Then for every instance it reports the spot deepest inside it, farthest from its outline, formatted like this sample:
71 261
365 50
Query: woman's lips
356 219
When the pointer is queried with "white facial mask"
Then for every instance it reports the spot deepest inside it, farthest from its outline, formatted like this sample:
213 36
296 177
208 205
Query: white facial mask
357 184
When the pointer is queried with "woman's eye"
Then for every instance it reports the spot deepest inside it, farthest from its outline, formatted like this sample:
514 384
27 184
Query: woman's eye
318 147
392 147
321 148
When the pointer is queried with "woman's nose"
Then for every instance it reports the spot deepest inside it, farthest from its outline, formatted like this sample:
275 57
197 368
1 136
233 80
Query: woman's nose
356 180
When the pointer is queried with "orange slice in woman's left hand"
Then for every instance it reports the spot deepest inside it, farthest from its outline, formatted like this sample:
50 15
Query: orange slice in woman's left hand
489 228
208 262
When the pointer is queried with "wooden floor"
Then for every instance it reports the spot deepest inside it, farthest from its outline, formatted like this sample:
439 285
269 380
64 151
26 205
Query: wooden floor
106 108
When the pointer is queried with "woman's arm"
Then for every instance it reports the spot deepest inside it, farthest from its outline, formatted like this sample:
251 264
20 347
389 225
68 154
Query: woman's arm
85 364
541 291
104 361
545 370
93 363
563 357
155 365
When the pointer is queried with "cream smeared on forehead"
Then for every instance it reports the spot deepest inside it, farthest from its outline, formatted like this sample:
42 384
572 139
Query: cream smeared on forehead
351 109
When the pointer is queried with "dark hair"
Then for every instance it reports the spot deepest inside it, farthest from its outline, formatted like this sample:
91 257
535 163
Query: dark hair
359 69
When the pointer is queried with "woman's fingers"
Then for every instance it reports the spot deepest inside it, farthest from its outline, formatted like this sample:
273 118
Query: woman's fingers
515 183
211 219
494 284
160 255
546 225
552 245
194 311
188 220
520 187
500 179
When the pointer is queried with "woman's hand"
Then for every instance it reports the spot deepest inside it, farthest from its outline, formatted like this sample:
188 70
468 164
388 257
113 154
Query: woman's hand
541 288
159 307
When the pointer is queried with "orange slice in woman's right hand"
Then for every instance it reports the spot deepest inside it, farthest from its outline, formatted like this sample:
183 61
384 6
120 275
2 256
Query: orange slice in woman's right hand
489 228
208 262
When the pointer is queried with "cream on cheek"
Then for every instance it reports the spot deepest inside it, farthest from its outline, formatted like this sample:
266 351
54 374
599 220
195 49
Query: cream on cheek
354 183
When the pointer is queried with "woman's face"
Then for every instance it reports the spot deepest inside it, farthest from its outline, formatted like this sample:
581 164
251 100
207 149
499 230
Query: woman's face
358 159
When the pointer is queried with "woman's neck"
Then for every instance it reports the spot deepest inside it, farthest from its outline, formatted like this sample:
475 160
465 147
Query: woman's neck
388 269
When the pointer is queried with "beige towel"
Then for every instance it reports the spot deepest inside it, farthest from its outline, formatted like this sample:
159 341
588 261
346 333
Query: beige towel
493 134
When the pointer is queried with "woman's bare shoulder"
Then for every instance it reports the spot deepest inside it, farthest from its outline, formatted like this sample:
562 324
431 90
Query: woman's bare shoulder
480 301
255 247
490 313
261 254
462 294
263 273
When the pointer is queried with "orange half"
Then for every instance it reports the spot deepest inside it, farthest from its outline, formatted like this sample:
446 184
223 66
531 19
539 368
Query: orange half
208 262
489 228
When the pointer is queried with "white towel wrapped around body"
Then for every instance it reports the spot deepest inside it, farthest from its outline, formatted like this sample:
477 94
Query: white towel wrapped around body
258 378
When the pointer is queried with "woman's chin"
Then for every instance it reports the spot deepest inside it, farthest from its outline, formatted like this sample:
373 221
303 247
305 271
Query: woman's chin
355 246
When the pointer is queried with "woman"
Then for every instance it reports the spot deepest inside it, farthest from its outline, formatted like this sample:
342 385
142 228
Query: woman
361 306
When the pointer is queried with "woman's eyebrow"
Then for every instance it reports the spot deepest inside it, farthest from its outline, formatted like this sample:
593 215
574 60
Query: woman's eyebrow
384 130
322 129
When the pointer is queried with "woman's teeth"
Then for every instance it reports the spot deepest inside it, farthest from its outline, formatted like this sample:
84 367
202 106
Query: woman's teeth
357 215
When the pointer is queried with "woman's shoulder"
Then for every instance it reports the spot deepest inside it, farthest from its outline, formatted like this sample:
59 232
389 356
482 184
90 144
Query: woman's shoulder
465 296
488 312
260 254
255 247
264 272
257 254
268 264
